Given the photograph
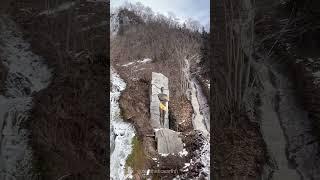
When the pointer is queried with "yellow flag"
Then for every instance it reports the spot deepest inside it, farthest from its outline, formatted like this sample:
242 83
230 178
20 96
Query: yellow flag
163 107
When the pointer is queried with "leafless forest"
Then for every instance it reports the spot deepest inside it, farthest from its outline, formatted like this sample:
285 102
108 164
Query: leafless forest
138 33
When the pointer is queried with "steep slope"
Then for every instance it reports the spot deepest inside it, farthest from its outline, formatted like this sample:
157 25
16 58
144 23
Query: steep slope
26 74
155 44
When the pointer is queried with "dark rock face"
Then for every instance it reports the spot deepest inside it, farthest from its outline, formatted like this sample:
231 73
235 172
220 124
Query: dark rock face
3 76
294 60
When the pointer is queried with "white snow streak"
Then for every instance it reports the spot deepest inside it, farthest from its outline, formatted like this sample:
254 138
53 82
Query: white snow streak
200 119
26 74
62 7
145 60
121 132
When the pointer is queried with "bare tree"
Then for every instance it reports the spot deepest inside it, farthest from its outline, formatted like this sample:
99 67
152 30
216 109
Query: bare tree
193 25
232 56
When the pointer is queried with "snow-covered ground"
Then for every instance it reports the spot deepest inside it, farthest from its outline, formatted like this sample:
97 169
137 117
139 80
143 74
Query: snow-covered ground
200 119
121 132
205 157
201 116
26 74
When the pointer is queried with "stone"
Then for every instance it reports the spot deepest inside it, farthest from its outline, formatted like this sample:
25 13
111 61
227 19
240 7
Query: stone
158 81
168 141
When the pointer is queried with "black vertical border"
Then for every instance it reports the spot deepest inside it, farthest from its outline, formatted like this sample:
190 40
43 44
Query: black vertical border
212 20
108 84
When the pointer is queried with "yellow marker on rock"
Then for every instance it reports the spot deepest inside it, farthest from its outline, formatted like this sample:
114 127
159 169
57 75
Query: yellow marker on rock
163 107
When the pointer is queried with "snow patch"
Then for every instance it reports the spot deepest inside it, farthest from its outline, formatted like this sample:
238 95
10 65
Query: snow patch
128 64
184 152
186 165
62 7
129 173
139 61
145 60
164 154
205 157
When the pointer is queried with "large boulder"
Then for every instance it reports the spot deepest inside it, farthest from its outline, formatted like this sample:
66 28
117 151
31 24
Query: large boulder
168 141
158 81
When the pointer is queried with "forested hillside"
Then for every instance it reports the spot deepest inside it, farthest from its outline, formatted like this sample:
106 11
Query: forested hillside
143 42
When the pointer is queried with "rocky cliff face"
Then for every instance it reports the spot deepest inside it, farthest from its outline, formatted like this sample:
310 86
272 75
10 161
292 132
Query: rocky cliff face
281 56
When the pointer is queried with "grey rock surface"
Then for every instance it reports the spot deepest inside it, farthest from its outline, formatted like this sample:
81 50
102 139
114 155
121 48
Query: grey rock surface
285 126
200 117
168 141
158 81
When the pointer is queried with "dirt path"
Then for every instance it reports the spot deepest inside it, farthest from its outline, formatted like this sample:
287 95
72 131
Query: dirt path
26 74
